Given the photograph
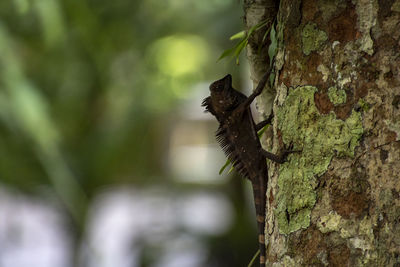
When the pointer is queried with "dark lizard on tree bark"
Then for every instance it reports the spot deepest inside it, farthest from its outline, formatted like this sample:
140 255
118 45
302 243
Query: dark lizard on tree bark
237 135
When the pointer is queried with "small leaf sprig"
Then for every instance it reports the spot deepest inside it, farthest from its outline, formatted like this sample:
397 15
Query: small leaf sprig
244 36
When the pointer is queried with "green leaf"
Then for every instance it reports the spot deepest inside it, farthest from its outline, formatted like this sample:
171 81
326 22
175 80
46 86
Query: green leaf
226 53
253 259
239 49
234 51
266 34
231 169
224 167
274 44
263 40
261 132
238 35
257 27
272 79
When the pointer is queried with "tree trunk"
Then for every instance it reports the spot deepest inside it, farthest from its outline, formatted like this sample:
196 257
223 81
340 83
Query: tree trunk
337 99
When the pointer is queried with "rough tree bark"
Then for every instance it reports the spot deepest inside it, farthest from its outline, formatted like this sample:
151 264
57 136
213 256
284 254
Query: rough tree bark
337 98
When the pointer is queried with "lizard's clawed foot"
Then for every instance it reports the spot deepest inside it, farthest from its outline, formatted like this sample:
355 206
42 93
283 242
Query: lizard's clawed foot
286 152
281 158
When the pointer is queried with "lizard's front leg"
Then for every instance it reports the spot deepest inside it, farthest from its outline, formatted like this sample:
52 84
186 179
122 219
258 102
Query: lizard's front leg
243 106
261 124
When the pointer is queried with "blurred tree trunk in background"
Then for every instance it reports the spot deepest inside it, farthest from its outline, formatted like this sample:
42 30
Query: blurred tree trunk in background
337 98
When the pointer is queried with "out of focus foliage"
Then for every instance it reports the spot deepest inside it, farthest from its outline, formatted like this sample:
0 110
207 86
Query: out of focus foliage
87 86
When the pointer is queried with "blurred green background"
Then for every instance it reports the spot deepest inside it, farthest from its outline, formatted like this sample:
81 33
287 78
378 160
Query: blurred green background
107 158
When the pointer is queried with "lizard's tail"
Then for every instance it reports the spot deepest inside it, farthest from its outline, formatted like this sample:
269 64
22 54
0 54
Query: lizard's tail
259 200
261 241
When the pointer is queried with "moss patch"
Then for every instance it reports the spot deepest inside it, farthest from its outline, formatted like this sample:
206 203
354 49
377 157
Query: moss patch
336 96
320 137
312 38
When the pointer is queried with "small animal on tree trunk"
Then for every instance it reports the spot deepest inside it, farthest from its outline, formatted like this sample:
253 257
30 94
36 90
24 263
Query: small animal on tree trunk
237 135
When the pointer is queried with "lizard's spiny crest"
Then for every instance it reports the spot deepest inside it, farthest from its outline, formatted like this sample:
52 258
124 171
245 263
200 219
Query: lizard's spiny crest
229 148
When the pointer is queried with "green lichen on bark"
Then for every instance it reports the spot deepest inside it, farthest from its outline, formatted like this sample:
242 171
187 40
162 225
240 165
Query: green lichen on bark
364 105
336 96
319 137
329 223
312 38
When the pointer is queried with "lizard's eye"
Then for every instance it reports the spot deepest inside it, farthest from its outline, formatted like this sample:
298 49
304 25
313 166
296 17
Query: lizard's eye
217 86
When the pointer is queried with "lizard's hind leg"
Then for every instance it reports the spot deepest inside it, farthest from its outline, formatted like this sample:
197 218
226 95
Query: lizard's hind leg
281 157
274 157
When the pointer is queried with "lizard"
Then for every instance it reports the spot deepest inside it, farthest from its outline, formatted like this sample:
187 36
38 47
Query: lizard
237 135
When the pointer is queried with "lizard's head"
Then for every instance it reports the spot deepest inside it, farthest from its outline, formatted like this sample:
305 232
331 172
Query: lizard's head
222 99
221 85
